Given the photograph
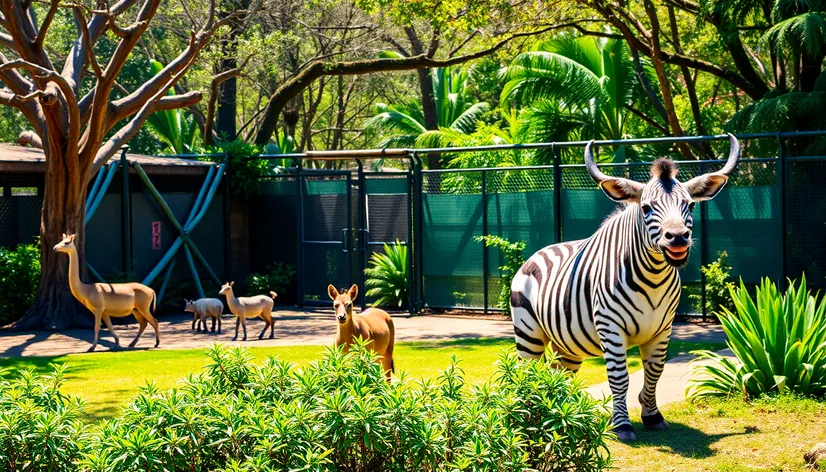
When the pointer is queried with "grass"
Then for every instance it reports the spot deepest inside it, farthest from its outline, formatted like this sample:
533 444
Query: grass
108 380
727 435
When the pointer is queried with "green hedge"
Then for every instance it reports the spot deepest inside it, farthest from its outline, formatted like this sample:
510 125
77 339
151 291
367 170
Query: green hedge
19 274
337 413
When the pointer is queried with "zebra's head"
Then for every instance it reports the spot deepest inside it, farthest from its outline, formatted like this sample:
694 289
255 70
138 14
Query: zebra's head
665 203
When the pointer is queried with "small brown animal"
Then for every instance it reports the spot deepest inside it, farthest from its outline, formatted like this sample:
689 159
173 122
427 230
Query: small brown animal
203 308
372 325
250 307
110 300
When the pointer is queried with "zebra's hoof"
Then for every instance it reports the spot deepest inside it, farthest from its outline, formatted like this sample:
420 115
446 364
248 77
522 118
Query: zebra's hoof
625 433
655 422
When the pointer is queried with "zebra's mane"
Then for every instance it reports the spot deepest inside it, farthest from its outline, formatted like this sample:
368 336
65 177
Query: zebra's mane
664 170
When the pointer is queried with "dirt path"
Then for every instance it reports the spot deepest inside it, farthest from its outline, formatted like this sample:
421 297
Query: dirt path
292 328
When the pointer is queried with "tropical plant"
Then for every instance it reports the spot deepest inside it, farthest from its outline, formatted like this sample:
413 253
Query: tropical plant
284 144
718 285
574 88
387 276
514 255
176 129
247 167
19 273
404 123
779 340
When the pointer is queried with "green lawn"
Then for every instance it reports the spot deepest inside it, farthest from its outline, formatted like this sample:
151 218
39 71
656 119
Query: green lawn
107 380
727 435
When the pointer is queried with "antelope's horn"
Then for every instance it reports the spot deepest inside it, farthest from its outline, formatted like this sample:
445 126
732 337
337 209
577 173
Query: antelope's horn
591 166
733 156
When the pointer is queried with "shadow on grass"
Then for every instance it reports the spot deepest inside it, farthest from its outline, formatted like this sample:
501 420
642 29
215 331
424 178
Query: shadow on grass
679 439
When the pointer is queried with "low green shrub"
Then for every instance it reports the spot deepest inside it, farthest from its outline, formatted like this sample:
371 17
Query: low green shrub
779 340
19 275
387 276
40 429
336 414
718 286
514 256
280 278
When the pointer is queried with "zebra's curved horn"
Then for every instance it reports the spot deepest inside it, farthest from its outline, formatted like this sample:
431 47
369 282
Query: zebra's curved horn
593 170
733 156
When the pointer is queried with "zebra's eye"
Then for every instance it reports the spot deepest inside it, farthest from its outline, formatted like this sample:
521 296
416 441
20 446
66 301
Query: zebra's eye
691 206
646 209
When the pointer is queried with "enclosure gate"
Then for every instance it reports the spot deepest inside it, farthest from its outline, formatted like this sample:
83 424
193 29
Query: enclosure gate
342 218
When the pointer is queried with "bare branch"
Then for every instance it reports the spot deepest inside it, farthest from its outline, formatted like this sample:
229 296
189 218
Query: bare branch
44 27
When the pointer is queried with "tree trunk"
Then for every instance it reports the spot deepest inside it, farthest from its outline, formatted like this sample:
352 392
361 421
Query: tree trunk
225 122
64 211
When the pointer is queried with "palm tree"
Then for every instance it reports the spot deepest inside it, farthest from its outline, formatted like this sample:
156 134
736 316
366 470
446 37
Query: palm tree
455 110
574 88
177 130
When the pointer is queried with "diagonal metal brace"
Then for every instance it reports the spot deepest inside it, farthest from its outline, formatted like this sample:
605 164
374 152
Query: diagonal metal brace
184 231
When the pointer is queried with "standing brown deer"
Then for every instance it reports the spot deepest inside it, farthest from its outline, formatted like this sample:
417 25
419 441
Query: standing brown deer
373 325
110 300
250 307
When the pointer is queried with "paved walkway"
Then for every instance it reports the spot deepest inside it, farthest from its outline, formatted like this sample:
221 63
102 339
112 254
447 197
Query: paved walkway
291 328
671 387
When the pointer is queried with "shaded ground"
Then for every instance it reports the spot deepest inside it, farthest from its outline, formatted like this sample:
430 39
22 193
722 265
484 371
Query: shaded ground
291 329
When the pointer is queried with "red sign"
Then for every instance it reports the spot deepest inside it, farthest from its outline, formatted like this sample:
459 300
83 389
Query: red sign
156 235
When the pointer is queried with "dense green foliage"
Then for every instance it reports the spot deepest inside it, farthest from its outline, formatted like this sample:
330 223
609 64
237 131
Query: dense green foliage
514 255
19 274
337 414
779 340
718 286
279 277
387 276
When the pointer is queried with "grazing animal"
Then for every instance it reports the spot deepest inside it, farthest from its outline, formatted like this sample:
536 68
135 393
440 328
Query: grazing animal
372 325
110 300
203 308
250 307
619 288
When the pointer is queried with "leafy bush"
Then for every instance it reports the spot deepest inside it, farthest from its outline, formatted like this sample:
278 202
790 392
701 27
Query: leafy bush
514 258
779 341
19 274
280 278
718 286
340 414
336 414
387 276
245 166
40 428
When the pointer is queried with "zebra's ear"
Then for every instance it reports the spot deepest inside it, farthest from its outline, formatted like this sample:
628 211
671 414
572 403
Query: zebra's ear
706 186
622 190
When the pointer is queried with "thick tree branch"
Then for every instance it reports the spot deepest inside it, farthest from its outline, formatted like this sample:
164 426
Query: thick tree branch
299 82
29 138
44 27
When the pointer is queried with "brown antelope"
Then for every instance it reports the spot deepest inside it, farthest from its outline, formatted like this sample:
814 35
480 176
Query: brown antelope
107 301
373 325
250 307
204 308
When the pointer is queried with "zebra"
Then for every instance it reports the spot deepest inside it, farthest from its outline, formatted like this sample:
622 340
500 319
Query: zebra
600 296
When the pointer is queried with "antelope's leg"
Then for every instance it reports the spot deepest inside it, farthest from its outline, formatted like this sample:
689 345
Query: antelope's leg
98 315
244 325
213 324
237 325
653 361
266 325
219 323
111 330
141 326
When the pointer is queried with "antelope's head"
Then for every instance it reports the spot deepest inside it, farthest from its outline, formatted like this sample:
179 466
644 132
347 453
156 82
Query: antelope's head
666 204
66 245
343 302
226 288
189 305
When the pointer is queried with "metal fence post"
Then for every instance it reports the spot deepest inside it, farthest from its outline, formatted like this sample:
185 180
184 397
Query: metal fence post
126 213
418 234
228 220
703 251
557 195
485 261
299 274
782 177
362 230
411 279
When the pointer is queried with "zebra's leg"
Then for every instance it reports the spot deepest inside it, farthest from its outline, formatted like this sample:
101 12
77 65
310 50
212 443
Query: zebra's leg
614 349
653 360
565 360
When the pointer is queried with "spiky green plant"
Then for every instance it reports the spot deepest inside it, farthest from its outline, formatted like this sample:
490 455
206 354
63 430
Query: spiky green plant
779 340
176 129
387 276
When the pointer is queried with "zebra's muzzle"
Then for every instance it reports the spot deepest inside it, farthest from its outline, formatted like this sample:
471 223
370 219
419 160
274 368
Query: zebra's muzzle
676 256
